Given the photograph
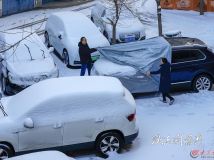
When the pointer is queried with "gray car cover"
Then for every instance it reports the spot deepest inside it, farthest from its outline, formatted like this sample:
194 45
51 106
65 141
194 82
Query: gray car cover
143 56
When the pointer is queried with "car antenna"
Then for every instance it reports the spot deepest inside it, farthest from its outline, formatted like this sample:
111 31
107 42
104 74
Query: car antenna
31 58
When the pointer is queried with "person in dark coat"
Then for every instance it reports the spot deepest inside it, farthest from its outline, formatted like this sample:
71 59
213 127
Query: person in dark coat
85 56
165 80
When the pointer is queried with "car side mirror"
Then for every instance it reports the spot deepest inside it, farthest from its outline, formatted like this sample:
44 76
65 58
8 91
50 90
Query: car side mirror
28 123
60 35
51 49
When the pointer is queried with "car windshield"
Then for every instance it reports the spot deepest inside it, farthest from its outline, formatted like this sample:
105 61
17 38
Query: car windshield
125 13
74 29
29 49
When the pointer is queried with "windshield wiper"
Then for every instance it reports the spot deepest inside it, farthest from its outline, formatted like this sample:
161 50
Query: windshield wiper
43 53
2 109
29 52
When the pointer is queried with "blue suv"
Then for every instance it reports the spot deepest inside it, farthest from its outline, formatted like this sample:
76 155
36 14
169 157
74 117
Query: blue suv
192 63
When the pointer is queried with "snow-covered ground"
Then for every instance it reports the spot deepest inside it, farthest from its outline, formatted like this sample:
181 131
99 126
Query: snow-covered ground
189 119
191 116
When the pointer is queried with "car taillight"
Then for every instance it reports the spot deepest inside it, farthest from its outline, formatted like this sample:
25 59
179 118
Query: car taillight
131 117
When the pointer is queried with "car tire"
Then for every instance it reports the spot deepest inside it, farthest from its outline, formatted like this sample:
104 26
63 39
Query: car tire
65 57
4 85
202 82
109 142
47 40
5 151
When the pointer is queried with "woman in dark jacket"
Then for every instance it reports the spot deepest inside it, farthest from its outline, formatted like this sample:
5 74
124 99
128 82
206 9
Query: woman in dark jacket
165 80
85 56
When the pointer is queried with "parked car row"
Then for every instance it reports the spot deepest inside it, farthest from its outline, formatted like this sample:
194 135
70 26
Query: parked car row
63 31
67 113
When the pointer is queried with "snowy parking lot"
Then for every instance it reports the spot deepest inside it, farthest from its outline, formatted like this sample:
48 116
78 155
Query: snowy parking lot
166 132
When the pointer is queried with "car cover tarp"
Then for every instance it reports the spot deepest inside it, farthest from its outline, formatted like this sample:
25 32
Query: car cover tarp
142 55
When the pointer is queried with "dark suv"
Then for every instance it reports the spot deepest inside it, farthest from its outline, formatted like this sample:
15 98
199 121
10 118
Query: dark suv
192 63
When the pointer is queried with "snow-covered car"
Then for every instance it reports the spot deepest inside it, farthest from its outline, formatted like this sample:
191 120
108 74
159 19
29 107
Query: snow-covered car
68 113
192 63
63 31
45 155
25 60
129 28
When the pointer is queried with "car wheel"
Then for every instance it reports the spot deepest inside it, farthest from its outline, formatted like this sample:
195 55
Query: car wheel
65 57
4 84
5 151
202 82
109 142
47 40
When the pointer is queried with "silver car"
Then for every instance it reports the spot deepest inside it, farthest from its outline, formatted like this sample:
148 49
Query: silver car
68 113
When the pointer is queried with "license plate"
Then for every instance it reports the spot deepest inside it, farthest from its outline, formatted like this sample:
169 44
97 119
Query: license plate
130 38
94 58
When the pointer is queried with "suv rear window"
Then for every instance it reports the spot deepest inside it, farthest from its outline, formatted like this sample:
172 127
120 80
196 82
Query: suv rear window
186 55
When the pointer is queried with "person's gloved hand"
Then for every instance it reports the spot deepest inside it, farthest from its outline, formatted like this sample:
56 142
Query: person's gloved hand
148 73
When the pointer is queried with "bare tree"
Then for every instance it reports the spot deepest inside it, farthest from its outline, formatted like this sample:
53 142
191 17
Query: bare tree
201 7
160 30
115 9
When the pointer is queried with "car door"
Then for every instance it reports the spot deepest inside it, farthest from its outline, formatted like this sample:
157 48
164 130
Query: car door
81 126
60 36
99 13
46 133
185 63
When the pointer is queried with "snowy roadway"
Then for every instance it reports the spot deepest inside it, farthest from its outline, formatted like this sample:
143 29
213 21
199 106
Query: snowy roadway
190 120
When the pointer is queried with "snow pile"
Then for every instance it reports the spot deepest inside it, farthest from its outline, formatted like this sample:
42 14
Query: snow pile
43 156
105 67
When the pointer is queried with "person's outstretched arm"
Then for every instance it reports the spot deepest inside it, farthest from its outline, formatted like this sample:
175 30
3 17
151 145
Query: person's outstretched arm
156 72
93 50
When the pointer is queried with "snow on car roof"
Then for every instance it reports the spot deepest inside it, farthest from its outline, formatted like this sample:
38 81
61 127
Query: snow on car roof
76 23
60 87
43 156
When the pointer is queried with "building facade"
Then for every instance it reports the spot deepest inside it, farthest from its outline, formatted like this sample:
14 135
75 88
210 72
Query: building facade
187 4
8 7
